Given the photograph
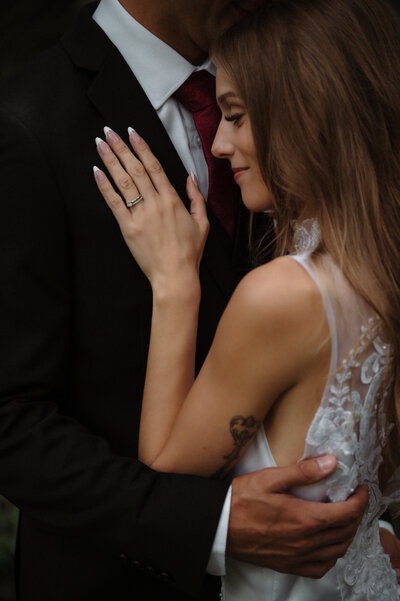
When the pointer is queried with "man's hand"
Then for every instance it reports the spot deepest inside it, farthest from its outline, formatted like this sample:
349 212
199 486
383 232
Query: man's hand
391 546
271 528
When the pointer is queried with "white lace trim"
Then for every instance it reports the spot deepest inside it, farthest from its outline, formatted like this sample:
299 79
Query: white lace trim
307 235
349 425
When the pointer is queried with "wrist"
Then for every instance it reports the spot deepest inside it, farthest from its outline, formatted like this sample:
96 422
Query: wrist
182 289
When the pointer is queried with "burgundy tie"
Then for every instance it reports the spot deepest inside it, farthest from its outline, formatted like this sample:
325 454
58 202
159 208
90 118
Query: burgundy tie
197 95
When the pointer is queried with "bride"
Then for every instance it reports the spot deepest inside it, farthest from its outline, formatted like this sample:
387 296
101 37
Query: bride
306 358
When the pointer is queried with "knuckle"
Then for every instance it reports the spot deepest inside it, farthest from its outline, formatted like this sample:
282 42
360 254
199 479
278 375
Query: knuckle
111 159
138 170
354 517
155 167
307 471
124 182
174 201
115 202
300 546
310 524
122 148
119 146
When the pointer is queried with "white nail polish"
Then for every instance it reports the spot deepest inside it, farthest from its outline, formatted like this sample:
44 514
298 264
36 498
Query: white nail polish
131 130
98 174
194 179
107 130
98 140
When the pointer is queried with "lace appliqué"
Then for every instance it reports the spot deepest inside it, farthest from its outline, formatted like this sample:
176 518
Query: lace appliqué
307 235
348 425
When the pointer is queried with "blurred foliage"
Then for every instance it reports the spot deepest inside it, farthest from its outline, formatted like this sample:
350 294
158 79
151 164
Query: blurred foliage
8 527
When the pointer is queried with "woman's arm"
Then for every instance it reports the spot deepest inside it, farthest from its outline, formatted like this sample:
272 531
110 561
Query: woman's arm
167 242
262 344
262 348
170 365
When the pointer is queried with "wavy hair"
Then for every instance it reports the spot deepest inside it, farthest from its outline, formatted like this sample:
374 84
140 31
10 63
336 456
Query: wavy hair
321 83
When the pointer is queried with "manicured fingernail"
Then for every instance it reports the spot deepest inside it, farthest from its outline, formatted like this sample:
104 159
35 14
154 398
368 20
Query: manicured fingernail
194 179
133 135
326 463
102 146
98 174
111 135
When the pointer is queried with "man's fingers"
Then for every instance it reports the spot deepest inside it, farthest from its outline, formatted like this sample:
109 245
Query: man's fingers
335 536
333 522
326 553
306 472
312 570
113 199
348 512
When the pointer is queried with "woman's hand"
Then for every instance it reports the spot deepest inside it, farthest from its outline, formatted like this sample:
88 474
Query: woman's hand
166 241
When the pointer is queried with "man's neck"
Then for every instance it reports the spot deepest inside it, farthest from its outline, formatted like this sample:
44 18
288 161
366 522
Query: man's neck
163 20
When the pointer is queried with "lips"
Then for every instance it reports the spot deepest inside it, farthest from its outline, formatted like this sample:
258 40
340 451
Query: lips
238 172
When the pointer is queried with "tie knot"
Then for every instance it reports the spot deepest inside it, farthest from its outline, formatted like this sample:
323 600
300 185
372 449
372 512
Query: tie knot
197 92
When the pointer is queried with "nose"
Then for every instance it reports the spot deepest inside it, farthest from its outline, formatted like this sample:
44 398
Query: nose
221 147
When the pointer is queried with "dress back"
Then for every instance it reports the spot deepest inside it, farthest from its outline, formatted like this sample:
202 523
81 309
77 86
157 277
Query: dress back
349 425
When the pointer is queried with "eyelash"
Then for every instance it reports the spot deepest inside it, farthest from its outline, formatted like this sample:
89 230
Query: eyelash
235 118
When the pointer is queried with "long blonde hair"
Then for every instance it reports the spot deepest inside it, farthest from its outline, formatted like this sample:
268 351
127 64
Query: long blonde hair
321 82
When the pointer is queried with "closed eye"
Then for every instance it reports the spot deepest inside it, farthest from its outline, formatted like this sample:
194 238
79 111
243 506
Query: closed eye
234 118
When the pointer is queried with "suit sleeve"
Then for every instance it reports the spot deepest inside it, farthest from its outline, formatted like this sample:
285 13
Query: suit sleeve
54 469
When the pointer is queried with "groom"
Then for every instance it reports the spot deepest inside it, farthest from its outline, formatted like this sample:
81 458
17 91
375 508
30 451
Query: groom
74 322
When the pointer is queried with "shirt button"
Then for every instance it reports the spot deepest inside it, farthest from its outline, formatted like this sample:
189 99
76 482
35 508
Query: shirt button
198 141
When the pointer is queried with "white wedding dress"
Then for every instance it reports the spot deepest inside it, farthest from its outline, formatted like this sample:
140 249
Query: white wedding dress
346 425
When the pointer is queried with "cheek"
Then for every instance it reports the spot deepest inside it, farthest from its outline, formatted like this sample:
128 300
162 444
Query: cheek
256 196
262 194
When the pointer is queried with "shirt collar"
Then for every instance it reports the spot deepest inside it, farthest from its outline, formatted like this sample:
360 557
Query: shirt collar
159 69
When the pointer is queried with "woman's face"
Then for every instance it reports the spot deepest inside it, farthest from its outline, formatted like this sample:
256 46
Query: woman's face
234 141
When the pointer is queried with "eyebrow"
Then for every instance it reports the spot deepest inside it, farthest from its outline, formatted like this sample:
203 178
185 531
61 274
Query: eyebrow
224 97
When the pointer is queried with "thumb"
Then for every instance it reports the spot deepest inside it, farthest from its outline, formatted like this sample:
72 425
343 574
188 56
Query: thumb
303 473
197 202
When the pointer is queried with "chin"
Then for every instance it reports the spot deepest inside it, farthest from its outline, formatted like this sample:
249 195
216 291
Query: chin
256 205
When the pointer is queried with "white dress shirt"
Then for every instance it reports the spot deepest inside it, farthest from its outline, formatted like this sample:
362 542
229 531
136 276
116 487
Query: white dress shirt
160 70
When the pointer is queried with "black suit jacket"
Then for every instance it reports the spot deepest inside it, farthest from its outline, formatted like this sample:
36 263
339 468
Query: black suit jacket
74 328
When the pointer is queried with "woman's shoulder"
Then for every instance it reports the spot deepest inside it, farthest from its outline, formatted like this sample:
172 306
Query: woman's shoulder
280 288
277 312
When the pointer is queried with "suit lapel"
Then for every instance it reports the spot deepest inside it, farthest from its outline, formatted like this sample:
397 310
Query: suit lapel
118 97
